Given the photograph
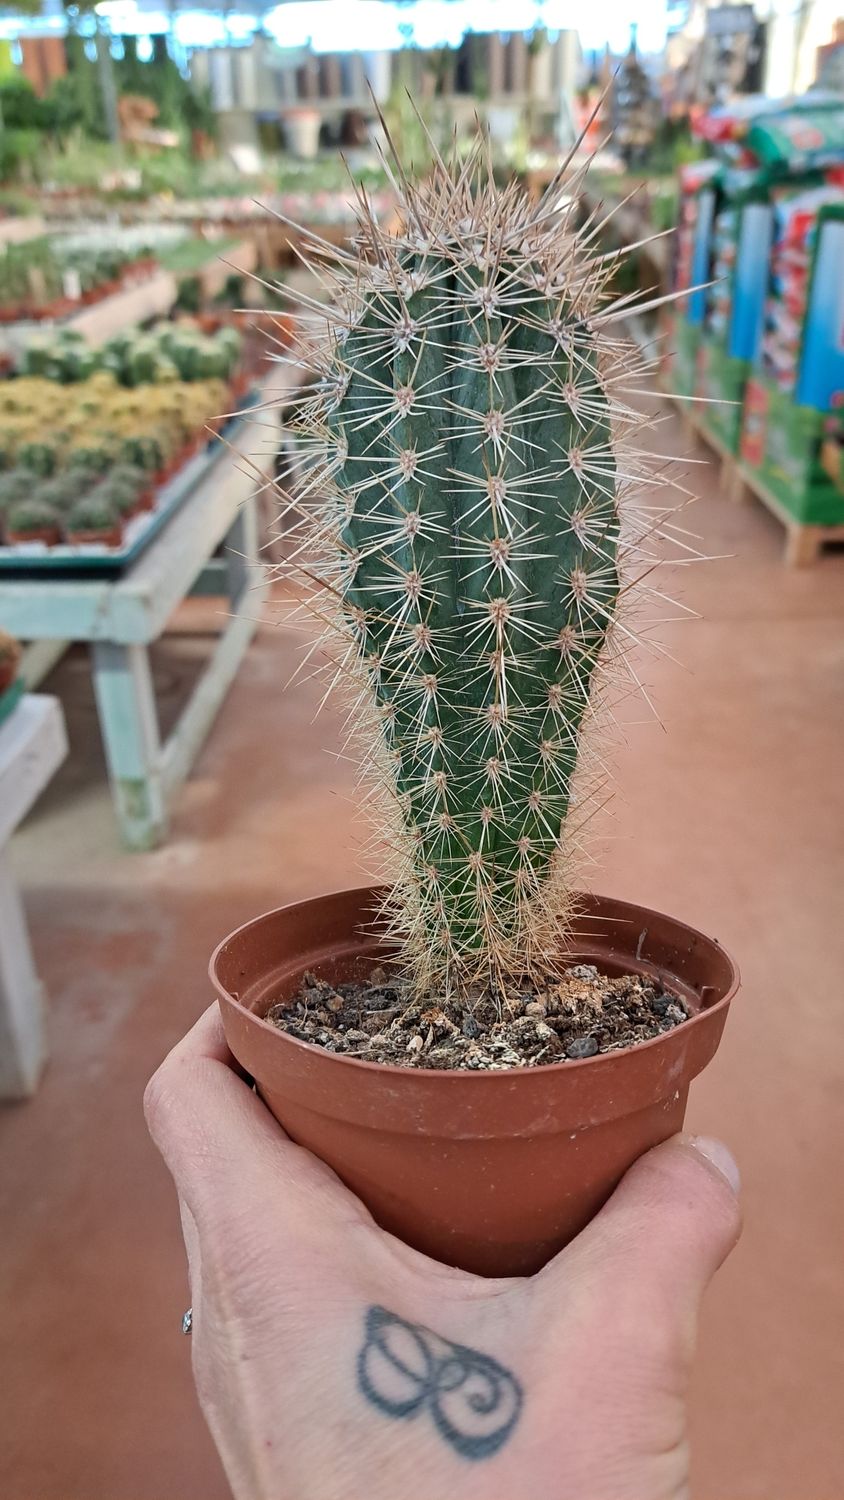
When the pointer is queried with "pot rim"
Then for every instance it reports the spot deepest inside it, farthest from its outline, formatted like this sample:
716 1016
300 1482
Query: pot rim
489 1076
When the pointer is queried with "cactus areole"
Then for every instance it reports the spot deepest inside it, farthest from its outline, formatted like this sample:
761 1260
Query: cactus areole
459 502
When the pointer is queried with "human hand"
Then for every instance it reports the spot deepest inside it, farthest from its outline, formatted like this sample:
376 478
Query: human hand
334 1363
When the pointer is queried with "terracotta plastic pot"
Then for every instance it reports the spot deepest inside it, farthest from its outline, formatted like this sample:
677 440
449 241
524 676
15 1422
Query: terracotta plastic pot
49 535
113 537
491 1171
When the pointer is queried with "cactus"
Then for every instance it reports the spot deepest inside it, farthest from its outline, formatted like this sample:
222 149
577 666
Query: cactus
61 492
460 500
30 517
97 513
90 456
39 458
123 487
143 452
15 485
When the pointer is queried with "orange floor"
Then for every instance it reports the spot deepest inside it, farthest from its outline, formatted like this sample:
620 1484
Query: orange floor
732 817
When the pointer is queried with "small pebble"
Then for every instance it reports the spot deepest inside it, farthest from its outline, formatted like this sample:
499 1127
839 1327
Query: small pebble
471 1029
582 1046
536 1008
583 971
415 1044
334 1003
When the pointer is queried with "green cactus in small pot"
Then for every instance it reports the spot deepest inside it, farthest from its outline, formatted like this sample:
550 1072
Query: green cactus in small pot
15 485
125 485
465 528
95 519
33 520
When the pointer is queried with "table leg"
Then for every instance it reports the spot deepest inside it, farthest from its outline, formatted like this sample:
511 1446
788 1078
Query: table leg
129 726
240 551
803 546
21 996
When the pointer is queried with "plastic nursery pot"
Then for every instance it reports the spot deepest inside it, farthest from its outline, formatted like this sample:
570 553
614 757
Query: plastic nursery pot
111 538
490 1171
49 535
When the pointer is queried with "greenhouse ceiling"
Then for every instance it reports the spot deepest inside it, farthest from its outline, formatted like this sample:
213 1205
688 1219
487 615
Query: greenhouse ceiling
349 25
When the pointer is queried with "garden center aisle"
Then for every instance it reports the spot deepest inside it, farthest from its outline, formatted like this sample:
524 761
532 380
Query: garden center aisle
731 819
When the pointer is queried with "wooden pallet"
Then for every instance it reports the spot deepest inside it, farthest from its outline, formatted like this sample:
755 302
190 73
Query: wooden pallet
803 541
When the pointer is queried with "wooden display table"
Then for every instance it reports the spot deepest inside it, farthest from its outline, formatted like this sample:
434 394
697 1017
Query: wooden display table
33 745
122 617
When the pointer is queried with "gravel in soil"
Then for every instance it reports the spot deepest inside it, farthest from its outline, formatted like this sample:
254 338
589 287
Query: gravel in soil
579 1015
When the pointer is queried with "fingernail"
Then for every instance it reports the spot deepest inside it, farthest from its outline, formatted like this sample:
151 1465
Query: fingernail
717 1153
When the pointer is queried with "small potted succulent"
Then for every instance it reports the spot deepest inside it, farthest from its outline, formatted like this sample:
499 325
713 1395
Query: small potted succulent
65 489
39 457
129 487
15 485
478 1048
142 453
95 520
33 521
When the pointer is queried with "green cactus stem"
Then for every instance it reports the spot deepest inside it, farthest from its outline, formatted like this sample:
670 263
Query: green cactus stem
460 501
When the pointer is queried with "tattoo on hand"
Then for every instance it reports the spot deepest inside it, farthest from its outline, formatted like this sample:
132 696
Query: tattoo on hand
405 1369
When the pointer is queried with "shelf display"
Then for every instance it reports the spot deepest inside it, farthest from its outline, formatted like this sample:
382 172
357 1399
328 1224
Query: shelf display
745 244
793 418
91 440
50 278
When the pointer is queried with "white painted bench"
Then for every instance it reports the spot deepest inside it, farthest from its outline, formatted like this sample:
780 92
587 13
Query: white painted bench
33 745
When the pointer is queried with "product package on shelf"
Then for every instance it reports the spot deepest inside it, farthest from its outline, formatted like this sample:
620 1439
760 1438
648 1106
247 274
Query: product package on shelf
796 219
779 169
793 423
733 302
691 259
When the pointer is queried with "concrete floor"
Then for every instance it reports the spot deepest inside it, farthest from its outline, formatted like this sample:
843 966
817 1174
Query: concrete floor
733 819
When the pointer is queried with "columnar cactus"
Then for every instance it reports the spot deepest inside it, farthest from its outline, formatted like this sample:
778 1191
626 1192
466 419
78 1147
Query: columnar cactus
460 503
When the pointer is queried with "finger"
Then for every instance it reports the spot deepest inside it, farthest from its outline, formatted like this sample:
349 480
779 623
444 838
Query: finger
225 1150
650 1253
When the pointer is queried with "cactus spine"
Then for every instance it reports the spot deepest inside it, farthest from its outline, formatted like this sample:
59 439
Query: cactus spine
459 501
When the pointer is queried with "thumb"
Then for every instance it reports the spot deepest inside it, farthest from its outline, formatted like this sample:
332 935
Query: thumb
648 1256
